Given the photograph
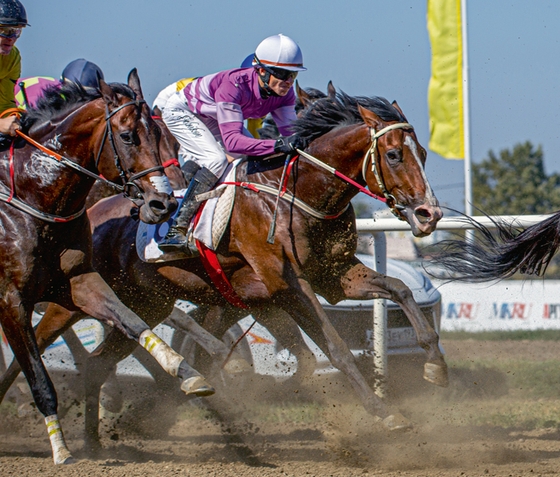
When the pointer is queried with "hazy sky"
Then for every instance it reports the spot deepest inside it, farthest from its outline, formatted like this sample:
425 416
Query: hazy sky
366 47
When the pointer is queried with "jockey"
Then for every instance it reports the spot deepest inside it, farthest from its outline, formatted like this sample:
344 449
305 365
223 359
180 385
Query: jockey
162 97
206 117
13 19
29 90
83 72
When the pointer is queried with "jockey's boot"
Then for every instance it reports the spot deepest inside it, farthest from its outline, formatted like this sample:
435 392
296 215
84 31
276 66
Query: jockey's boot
189 168
176 238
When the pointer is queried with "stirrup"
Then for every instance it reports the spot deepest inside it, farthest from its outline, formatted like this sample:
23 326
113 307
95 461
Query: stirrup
174 241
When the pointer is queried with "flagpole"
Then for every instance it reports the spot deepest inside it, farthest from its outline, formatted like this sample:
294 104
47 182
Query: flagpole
466 112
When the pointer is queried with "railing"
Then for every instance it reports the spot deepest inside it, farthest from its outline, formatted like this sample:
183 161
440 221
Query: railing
377 227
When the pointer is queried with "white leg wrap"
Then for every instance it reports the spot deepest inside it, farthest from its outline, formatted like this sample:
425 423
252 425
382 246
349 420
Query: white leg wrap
61 454
168 359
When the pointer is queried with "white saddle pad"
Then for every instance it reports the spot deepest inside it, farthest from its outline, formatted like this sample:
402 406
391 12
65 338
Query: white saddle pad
209 230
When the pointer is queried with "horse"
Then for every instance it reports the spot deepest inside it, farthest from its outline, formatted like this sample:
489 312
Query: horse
499 255
361 141
70 139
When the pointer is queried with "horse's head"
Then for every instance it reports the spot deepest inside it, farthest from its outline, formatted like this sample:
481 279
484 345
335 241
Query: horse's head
369 141
306 97
394 168
128 144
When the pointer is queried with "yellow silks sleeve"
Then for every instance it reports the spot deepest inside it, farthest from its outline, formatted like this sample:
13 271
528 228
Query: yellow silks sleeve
445 91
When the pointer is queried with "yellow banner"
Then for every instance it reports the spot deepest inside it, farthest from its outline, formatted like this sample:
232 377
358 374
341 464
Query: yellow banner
445 91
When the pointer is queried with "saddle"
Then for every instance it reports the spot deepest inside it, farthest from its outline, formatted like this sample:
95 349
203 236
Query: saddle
208 225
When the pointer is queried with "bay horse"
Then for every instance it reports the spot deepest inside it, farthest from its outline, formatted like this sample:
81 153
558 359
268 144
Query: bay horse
364 141
72 138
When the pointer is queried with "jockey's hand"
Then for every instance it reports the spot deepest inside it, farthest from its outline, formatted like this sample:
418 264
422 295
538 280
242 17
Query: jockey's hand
9 125
288 144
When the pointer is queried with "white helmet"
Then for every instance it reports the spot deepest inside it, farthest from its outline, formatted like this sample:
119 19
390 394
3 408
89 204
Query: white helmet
279 51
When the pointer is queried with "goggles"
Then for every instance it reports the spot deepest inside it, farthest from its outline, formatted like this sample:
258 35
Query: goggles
281 74
10 32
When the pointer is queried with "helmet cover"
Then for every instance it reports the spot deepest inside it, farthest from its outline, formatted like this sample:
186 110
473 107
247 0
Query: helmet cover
279 51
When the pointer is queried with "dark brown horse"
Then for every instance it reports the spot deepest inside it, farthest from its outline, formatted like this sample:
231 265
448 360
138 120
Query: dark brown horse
72 138
365 141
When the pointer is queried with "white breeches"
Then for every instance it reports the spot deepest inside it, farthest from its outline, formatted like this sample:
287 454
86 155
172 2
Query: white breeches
200 142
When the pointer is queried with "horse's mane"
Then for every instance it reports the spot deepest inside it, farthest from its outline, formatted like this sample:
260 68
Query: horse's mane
325 114
59 101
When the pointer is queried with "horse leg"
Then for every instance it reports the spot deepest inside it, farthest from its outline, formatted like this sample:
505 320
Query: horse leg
55 321
98 367
304 307
216 348
16 323
94 297
362 283
287 334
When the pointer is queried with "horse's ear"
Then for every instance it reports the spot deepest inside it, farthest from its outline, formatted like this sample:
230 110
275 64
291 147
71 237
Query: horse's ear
134 83
369 117
331 91
302 95
108 94
398 108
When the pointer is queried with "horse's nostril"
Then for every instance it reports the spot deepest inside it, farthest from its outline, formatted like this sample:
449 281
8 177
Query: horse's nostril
423 215
158 205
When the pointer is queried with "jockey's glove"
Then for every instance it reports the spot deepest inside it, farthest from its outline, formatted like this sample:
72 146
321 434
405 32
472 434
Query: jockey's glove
287 144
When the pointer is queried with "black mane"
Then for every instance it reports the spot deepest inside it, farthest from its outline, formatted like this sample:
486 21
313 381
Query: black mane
325 114
60 101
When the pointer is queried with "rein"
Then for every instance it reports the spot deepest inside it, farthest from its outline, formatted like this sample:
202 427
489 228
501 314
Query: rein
371 154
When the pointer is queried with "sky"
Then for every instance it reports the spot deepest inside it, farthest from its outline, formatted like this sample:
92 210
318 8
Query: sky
366 47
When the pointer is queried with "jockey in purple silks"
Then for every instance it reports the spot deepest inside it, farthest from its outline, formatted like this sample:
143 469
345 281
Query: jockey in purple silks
207 116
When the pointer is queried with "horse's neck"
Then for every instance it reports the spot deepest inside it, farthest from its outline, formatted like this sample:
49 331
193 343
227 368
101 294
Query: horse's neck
344 150
41 179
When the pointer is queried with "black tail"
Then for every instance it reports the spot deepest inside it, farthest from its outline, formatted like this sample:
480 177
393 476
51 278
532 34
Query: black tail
500 255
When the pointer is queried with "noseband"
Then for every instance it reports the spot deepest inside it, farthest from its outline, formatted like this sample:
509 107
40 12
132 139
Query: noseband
373 155
130 189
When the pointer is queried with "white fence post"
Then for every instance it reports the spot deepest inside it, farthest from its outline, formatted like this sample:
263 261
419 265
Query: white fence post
380 316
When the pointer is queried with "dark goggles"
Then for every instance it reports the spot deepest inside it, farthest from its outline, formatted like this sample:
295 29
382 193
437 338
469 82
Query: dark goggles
281 74
10 32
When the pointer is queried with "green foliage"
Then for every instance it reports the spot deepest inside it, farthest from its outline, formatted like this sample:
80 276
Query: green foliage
515 183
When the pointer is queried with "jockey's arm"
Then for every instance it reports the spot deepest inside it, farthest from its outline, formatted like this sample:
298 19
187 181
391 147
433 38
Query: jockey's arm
230 119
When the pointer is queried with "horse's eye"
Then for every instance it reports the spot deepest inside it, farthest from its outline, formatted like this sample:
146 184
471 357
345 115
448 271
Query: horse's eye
127 138
394 156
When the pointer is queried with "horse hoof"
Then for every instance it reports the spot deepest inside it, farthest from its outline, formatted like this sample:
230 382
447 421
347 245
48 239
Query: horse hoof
396 422
237 366
197 386
64 458
436 374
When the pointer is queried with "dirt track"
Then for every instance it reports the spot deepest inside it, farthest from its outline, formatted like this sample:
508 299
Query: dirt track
333 436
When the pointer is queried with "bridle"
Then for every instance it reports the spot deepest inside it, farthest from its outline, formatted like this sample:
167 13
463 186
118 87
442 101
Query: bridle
130 189
373 156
